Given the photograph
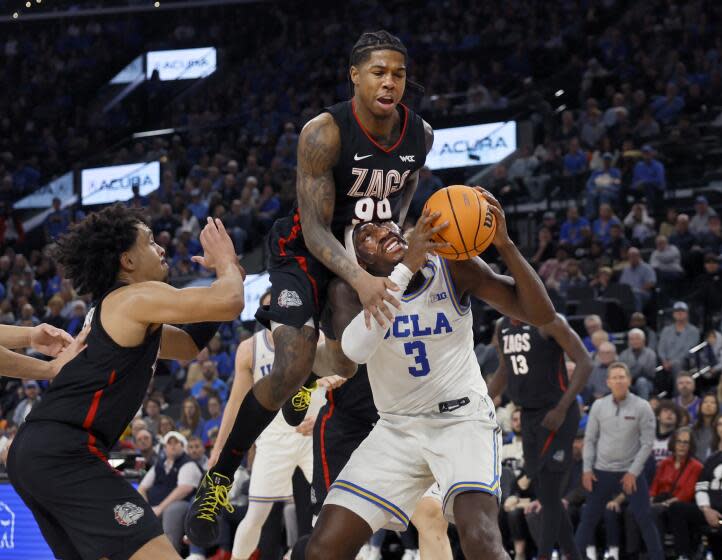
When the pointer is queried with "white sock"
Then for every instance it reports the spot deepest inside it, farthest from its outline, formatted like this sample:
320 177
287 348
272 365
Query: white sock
592 552
614 552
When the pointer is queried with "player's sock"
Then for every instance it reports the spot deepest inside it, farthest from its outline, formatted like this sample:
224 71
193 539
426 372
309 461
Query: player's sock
592 552
251 420
295 408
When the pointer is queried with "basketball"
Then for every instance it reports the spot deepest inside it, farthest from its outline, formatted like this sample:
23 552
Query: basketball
472 224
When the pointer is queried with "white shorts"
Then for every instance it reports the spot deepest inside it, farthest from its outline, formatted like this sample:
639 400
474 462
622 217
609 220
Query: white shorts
404 456
277 456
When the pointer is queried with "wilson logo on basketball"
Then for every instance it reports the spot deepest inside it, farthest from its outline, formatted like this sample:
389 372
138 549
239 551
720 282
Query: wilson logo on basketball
489 220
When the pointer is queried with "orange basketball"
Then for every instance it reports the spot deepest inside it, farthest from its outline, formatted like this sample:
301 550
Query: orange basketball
472 225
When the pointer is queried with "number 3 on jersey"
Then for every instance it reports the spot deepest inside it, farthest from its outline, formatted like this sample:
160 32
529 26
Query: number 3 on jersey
519 364
417 349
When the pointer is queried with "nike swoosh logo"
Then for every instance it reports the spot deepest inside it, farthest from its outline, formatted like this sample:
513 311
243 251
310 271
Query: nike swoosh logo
359 158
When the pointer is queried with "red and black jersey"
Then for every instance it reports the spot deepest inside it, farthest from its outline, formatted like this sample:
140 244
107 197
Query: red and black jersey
102 388
369 178
536 373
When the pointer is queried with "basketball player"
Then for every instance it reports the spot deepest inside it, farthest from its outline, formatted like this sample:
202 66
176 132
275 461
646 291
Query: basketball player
57 462
357 161
437 422
279 449
534 373
44 338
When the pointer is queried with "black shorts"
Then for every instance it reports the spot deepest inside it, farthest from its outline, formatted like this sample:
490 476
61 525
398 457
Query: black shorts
335 438
542 448
85 509
298 279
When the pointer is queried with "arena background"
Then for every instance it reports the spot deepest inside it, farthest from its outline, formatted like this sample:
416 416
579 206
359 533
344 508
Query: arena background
193 108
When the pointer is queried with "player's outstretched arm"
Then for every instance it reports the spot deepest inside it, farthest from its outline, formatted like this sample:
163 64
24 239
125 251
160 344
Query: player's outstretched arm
573 347
318 150
521 296
44 338
497 383
20 366
242 383
158 303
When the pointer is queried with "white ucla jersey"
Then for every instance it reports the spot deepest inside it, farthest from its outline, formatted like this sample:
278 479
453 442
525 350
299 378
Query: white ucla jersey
427 356
263 355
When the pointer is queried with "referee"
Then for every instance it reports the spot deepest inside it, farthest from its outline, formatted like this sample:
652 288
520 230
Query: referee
618 440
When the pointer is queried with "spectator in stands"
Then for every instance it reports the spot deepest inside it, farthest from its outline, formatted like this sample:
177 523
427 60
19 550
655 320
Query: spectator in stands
144 444
647 128
676 339
222 359
668 107
601 226
706 510
574 165
601 281
669 225
603 186
31 391
546 248
592 324
639 276
239 222
568 128
53 313
706 293
639 223
552 271
169 485
642 362
428 185
648 178
213 424
191 423
597 386
618 244
166 424
571 230
152 415
666 261
703 430
197 452
77 319
686 400
57 222
166 221
522 171
614 456
711 240
189 222
668 420
572 277
593 129
699 224
512 452
267 207
675 478
210 384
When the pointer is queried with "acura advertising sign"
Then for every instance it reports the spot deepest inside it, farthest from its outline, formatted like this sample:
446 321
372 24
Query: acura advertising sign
61 188
465 146
183 64
103 185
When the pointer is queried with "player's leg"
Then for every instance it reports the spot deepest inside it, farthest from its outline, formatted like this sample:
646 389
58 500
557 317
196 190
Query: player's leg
428 518
476 515
156 548
249 530
338 535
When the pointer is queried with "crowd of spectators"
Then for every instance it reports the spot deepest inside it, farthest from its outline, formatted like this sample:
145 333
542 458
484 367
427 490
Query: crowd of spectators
638 278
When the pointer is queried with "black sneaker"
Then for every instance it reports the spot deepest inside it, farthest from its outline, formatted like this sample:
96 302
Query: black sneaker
294 411
202 525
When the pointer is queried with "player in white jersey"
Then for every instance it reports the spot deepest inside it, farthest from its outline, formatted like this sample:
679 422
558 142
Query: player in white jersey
279 449
437 422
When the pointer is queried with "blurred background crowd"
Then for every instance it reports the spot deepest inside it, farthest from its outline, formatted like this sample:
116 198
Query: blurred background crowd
613 194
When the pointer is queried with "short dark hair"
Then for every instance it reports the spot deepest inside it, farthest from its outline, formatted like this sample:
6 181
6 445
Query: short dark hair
371 41
668 404
90 251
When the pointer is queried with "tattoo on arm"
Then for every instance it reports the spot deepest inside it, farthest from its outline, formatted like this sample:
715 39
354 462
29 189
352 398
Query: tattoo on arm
318 151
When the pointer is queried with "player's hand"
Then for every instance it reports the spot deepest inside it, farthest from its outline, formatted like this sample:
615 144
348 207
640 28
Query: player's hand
588 480
629 483
501 237
614 506
331 382
77 345
712 517
373 293
305 428
533 507
49 340
218 250
420 240
554 419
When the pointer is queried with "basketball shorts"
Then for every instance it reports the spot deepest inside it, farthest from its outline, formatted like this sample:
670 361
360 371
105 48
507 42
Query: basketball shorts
335 437
298 279
403 456
277 456
84 508
545 449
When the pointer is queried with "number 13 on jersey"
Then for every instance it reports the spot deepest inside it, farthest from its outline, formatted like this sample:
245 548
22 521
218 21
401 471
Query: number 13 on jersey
417 349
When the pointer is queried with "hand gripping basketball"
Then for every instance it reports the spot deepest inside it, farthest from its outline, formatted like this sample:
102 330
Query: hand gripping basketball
423 240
